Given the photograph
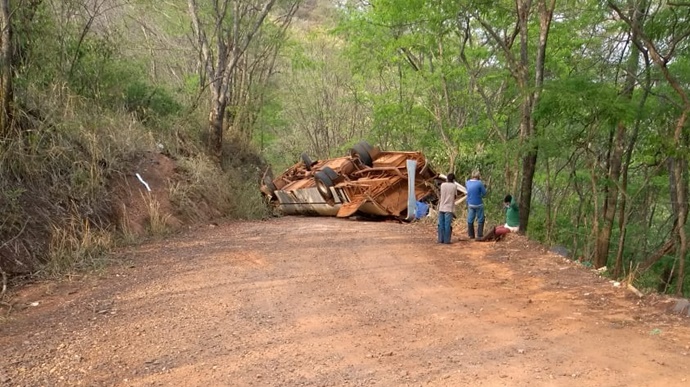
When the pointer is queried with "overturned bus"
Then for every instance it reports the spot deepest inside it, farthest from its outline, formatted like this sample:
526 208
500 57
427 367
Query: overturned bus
368 181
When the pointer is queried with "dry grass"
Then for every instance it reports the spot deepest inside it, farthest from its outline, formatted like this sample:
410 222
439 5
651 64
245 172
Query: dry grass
77 246
157 221
202 191
248 202
127 235
54 181
207 192
59 169
66 198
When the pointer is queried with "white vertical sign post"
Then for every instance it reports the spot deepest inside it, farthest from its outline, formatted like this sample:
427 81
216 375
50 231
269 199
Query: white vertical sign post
411 197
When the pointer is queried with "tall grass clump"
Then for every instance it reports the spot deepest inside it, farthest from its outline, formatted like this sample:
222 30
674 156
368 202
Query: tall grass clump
77 246
157 219
201 192
245 168
248 202
205 191
127 236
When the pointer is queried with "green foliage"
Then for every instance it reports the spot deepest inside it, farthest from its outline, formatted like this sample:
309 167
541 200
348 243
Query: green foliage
150 103
579 99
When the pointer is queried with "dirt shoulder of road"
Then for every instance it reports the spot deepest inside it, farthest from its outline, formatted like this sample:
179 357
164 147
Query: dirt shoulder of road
331 302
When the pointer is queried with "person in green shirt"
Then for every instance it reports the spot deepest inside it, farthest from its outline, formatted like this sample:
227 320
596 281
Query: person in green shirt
512 214
512 221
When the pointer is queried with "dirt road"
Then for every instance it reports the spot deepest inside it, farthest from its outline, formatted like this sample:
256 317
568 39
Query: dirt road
327 302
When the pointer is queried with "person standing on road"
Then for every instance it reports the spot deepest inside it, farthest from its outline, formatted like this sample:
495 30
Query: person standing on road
475 204
446 208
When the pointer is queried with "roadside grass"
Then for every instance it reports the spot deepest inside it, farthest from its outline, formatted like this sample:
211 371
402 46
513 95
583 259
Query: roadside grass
157 220
127 235
201 192
247 201
54 194
205 191
77 246
56 198
244 169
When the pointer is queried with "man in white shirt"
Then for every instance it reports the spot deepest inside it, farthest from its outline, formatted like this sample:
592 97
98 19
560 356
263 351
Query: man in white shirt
446 208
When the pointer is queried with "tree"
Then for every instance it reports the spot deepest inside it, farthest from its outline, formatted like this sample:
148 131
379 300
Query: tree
677 34
6 89
617 144
530 90
327 115
254 81
233 26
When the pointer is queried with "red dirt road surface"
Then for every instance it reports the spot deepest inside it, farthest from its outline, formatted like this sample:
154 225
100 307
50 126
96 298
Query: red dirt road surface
330 302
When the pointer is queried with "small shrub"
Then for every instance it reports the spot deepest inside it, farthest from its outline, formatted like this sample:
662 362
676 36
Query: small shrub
248 203
150 103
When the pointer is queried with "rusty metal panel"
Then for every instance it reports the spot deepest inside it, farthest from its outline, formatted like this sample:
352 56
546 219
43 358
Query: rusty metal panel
299 184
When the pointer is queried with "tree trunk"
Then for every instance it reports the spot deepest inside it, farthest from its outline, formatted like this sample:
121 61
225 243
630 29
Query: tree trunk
611 200
6 89
679 173
578 217
529 165
595 206
616 155
215 134
549 203
624 215
530 156
531 96
622 224
666 248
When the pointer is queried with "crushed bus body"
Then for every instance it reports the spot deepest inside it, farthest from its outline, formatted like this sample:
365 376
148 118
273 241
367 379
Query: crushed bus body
367 182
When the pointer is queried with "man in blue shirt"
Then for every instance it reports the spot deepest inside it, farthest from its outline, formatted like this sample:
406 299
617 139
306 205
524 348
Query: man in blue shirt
475 204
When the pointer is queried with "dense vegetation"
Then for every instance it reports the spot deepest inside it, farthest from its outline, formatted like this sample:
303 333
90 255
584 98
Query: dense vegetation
577 107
